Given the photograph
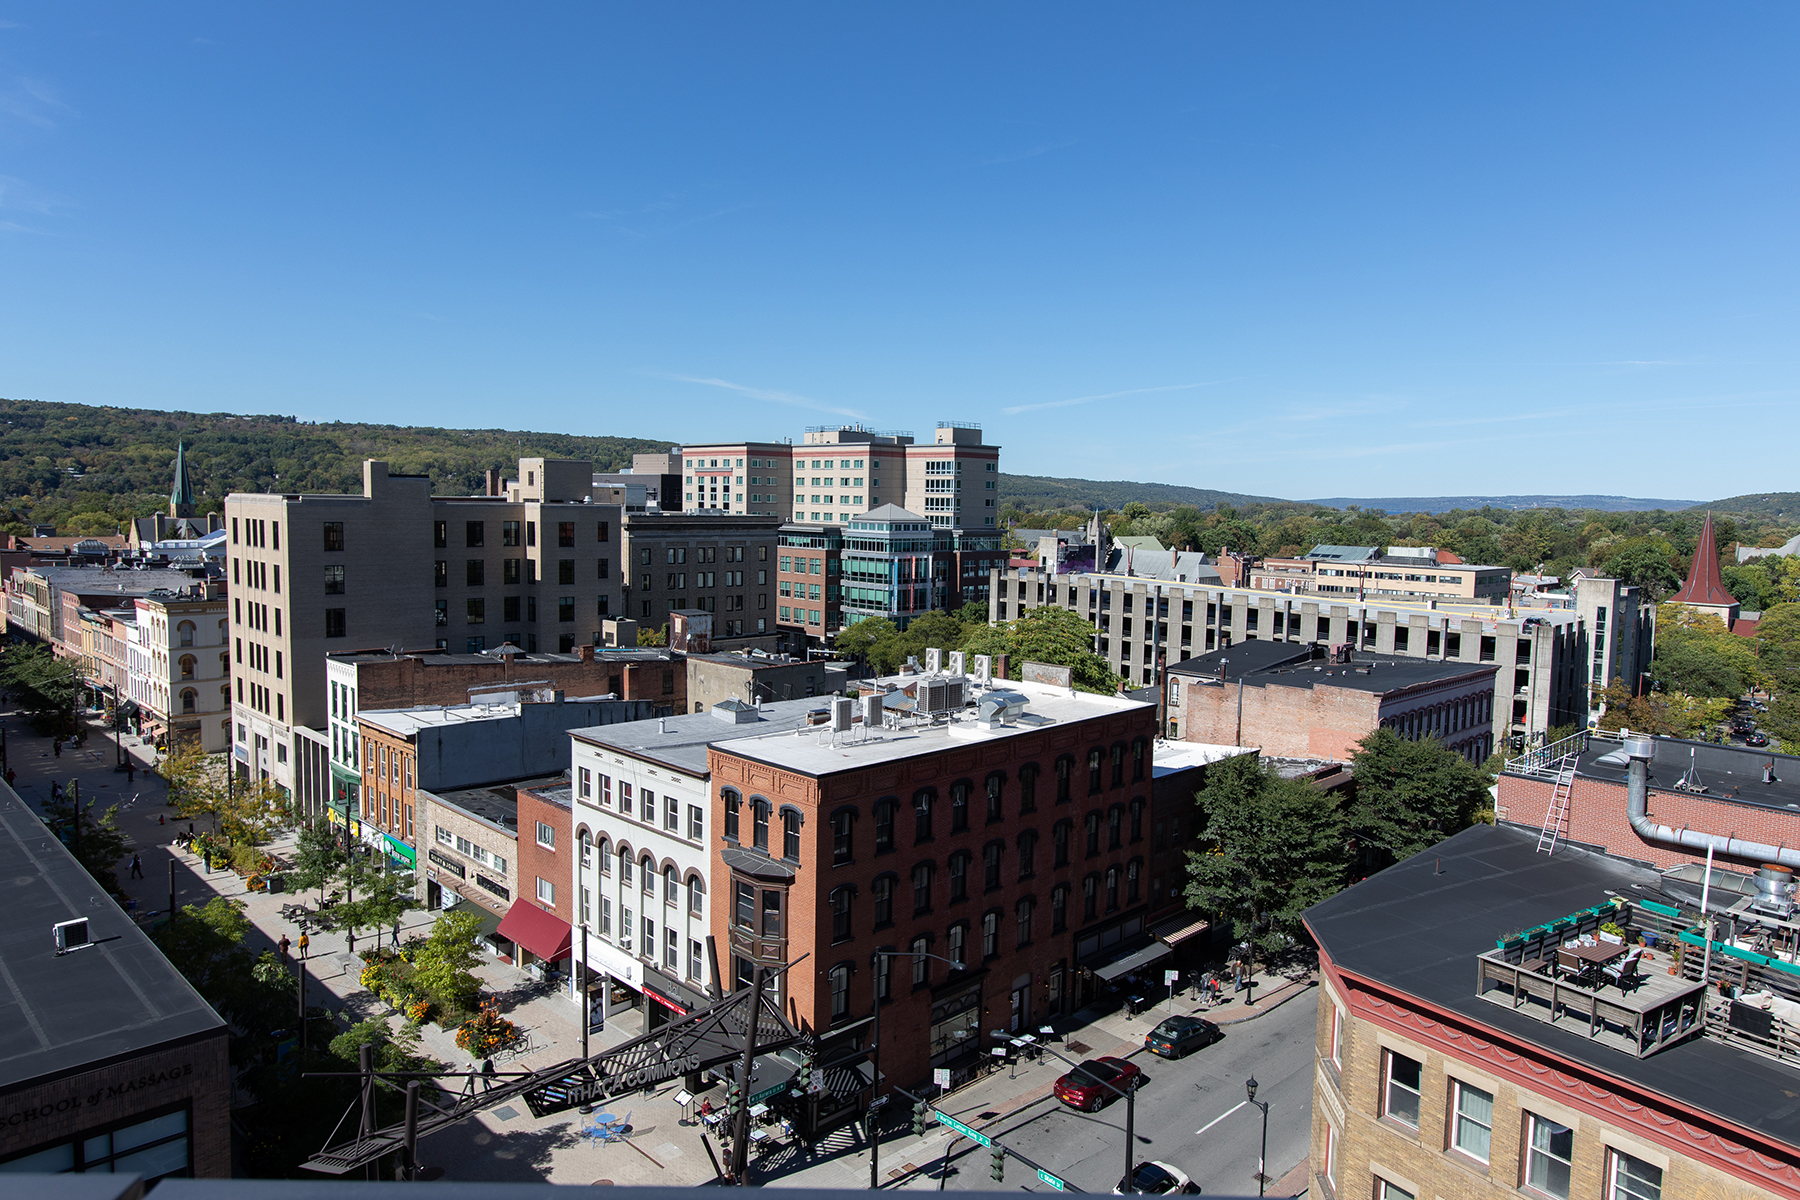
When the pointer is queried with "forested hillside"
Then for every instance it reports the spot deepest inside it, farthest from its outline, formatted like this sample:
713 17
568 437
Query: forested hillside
88 469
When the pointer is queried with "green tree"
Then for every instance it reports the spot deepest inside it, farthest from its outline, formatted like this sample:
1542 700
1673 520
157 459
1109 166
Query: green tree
1646 563
973 616
46 687
1063 639
202 787
96 842
318 856
653 637
1273 847
444 963
1697 656
395 1049
1410 795
387 897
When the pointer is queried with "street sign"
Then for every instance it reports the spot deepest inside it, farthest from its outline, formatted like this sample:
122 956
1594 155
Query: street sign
1171 976
980 1139
1052 1180
767 1092
941 1077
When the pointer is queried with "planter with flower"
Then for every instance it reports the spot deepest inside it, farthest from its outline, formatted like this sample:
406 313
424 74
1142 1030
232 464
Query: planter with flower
487 1032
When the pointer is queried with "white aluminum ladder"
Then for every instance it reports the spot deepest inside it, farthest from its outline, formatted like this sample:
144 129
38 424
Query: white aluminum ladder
1556 817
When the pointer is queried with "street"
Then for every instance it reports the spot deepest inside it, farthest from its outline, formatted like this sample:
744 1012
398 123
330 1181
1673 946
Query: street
1176 1101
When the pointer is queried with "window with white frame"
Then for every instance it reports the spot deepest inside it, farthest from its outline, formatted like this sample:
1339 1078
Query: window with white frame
1337 1036
672 814
1400 1089
1473 1132
1391 1191
587 906
671 953
1549 1155
1331 1141
546 891
671 883
696 960
649 939
605 917
546 836
625 927
696 822
584 783
696 894
1629 1178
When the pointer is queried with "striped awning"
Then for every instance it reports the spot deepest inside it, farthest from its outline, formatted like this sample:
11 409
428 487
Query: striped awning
1180 927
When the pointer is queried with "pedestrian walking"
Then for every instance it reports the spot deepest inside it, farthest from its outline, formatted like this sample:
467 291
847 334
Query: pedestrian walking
137 867
159 819
304 943
130 771
284 946
56 747
55 790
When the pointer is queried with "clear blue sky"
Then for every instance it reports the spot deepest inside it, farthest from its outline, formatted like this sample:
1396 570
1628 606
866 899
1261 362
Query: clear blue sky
1286 250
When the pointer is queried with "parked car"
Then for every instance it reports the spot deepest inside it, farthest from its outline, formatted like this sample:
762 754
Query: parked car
1756 737
1178 1035
1086 1086
1156 1179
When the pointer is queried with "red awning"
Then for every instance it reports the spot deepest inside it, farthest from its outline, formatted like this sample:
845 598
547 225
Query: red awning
542 933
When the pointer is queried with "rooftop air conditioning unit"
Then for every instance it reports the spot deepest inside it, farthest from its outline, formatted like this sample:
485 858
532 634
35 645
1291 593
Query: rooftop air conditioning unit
934 660
957 661
984 669
70 935
872 710
843 714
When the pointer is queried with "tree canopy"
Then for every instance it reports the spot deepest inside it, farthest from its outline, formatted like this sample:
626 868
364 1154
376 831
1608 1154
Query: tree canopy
1410 795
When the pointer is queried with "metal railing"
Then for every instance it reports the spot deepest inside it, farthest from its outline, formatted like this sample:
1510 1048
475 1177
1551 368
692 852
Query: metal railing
1542 760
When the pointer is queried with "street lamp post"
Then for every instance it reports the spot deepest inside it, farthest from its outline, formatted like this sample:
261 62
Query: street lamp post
1262 1174
875 1055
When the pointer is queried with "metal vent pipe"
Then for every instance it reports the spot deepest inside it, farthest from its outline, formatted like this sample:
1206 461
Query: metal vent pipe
1637 809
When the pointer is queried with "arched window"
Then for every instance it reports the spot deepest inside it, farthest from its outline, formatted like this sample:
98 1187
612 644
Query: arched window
921 881
1023 913
188 699
1115 827
843 833
1139 753
990 933
1028 853
922 802
1133 872
1059 908
731 814
586 843
187 664
1112 889
996 784
1028 776
671 884
759 815
990 865
921 966
184 633
625 865
1059 840
884 825
882 889
222 627
1137 820
959 876
696 889
840 991
603 848
1095 756
956 946
790 834
647 873
1093 833
1118 766
225 665
840 913
1090 897
1065 767
959 806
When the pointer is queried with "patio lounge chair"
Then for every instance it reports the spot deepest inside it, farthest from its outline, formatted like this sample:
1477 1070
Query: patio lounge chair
1625 968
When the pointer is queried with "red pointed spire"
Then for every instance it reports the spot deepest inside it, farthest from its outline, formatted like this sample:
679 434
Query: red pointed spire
1703 584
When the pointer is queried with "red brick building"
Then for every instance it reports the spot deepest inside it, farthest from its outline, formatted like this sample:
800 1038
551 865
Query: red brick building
546 850
1693 785
1020 848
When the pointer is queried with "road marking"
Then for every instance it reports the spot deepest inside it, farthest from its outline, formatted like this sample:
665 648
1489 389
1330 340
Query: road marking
1220 1117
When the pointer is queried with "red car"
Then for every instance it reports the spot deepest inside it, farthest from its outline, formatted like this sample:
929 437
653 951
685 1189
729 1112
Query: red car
1086 1086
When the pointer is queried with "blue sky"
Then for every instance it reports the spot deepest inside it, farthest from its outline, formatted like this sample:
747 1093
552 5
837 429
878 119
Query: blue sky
1278 249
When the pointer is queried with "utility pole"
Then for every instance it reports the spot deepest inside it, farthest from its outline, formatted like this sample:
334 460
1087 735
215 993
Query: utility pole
365 1054
740 1141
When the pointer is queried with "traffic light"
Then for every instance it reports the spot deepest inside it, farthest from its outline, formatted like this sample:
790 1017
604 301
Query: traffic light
921 1116
734 1097
998 1167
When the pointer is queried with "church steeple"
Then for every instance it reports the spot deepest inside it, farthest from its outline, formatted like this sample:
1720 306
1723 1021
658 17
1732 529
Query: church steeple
181 496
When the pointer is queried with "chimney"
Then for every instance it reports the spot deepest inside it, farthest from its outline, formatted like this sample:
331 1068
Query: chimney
585 653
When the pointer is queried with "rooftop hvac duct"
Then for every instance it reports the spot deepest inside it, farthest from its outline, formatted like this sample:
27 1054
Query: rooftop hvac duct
1638 751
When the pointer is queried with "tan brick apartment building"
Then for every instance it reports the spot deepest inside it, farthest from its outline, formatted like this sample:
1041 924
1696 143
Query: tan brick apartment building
1296 702
1021 850
1424 1088
1366 573
541 563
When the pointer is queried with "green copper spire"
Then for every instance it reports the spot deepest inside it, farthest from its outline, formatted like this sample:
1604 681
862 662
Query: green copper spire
181 496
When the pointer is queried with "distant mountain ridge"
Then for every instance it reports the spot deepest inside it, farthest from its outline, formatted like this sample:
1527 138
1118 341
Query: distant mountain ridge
1037 493
1441 504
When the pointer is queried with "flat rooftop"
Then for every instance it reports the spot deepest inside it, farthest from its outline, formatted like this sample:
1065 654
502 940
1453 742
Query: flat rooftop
1733 774
681 741
814 751
1418 927
407 722
1292 664
118 998
1170 757
498 803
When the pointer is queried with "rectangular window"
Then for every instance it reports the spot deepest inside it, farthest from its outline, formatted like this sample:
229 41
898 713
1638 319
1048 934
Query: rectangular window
565 533
565 571
509 533
334 580
584 783
510 573
1474 1131
474 533
1389 1191
1631 1178
334 622
696 953
1400 1091
476 609
546 836
546 891
475 572
696 822
1549 1153
334 535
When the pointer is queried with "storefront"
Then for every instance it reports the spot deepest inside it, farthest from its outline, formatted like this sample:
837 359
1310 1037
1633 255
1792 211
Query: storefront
956 1031
668 999
622 983
400 856
542 938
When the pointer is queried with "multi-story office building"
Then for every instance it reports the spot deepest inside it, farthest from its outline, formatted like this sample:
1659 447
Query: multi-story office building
1466 1049
644 827
714 562
540 564
1541 654
1367 573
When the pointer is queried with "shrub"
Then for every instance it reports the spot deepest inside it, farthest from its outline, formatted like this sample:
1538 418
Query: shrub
486 1032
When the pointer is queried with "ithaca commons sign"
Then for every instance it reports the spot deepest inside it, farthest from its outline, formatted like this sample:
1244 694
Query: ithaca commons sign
580 1088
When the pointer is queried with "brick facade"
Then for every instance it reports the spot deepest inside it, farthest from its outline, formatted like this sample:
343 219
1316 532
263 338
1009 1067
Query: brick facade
1597 817
1026 978
1354 1145
409 680
553 863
